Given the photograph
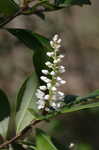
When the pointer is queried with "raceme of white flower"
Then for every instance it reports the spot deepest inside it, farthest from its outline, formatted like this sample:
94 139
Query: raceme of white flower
48 94
71 145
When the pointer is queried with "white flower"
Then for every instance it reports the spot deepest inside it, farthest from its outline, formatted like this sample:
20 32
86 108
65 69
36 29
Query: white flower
58 105
61 56
55 38
45 79
49 85
59 41
53 104
43 87
46 97
48 80
47 109
56 61
49 64
52 44
71 145
62 81
41 104
40 94
50 54
57 84
61 69
58 78
45 72
60 93
56 46
52 73
54 88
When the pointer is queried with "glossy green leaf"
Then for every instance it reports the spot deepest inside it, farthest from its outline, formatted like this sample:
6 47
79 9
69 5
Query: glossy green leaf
25 100
72 2
29 38
4 106
43 141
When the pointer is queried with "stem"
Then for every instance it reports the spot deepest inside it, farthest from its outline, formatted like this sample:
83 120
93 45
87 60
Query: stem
11 18
21 134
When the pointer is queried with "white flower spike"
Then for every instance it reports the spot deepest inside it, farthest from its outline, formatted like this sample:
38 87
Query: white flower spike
48 93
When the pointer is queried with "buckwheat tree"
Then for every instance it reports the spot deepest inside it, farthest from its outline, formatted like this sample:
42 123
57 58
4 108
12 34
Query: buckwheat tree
39 98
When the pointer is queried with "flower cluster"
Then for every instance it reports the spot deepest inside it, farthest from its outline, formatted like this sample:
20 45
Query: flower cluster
48 94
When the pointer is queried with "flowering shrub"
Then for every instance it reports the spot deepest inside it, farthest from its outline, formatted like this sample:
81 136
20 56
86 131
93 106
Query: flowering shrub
39 99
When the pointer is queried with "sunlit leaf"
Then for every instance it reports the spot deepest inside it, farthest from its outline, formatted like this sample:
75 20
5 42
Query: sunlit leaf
79 107
43 141
34 113
4 127
25 100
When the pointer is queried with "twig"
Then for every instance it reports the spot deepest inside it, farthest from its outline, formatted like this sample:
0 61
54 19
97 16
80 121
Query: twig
21 134
11 18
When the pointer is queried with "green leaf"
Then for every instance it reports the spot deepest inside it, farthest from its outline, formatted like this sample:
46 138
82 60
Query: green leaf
4 106
74 99
7 9
4 127
34 113
43 141
79 107
25 100
40 57
72 2
93 95
75 103
83 146
36 42
29 38
79 100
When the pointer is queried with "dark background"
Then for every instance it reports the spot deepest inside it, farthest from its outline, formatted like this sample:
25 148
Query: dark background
79 29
